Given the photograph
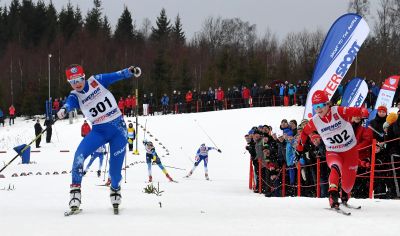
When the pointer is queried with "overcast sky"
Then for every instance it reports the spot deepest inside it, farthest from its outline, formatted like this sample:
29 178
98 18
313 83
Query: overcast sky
280 16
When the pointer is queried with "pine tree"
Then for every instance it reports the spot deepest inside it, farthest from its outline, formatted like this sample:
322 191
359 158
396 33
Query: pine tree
93 19
52 23
163 30
106 28
14 22
124 30
178 36
70 21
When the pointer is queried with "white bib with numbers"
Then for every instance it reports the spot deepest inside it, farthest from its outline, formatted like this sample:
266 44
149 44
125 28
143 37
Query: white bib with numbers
338 134
98 104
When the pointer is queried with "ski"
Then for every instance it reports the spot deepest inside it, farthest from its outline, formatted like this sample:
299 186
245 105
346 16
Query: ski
115 209
340 211
103 185
173 181
72 212
351 206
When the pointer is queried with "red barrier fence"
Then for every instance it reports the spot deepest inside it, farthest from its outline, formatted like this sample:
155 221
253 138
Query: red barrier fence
318 184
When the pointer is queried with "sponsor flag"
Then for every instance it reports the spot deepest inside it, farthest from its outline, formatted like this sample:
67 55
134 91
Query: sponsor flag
355 93
338 52
386 95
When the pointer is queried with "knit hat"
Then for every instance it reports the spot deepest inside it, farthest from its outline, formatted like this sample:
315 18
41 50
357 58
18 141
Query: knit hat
391 118
382 108
74 71
319 97
315 136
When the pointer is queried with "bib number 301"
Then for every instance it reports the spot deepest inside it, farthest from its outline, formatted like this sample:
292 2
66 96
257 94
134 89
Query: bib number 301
100 107
339 138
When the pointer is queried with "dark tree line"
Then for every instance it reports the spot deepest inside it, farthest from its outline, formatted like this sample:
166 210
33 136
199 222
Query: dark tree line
224 52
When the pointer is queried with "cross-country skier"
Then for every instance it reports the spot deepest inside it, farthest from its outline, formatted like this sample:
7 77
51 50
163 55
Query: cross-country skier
202 155
152 157
99 153
334 126
108 126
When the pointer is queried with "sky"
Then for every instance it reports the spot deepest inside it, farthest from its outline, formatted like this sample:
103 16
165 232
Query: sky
280 17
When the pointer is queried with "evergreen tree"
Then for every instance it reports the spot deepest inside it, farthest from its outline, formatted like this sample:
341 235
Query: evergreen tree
52 23
124 30
163 30
3 30
178 36
14 22
70 21
106 28
93 19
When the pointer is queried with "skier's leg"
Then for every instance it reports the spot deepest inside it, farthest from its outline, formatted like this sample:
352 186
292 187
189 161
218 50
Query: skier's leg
148 161
92 158
158 161
205 160
335 162
349 172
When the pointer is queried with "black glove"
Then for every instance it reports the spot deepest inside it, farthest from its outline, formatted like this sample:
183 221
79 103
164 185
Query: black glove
219 150
297 156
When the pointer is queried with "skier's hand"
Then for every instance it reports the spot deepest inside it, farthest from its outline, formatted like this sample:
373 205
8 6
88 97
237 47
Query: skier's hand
61 113
297 156
136 71
219 150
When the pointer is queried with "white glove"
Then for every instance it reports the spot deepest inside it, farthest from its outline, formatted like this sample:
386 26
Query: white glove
135 70
61 113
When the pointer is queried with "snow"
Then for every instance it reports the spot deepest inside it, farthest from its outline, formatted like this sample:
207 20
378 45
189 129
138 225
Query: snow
194 206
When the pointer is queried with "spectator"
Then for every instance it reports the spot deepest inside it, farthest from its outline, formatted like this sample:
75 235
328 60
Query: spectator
175 102
134 105
320 152
165 104
145 105
128 106
11 112
181 99
152 104
220 98
292 94
254 94
38 130
1 117
189 99
121 105
85 129
246 96
56 105
268 96
48 123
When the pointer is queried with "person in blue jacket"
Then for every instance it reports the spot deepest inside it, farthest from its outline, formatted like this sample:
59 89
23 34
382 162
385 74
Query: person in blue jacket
99 153
100 108
202 155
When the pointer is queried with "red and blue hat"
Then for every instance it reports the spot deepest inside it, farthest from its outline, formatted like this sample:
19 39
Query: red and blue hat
319 96
75 71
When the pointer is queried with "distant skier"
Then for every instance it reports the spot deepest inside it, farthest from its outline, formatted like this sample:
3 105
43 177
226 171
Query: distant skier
202 155
99 153
152 157
131 136
108 126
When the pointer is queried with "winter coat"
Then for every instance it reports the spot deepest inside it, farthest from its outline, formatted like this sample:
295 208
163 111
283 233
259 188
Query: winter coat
85 129
246 93
220 95
377 124
189 97
165 100
38 128
364 138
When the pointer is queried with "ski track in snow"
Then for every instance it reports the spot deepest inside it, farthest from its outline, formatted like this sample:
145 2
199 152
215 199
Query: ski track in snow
194 206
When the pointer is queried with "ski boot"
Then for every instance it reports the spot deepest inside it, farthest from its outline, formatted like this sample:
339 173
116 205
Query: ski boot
207 178
115 197
188 175
75 197
98 173
169 178
84 173
108 182
150 178
334 198
344 197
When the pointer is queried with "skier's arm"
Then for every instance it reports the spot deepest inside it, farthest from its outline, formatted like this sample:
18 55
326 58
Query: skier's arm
109 78
71 103
349 112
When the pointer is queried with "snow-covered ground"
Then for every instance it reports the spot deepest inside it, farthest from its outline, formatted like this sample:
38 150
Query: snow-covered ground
194 206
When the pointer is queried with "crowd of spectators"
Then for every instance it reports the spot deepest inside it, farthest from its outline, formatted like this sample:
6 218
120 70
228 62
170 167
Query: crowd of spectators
273 151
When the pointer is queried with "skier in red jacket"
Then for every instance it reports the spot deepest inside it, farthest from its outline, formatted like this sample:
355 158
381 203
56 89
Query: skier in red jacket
333 124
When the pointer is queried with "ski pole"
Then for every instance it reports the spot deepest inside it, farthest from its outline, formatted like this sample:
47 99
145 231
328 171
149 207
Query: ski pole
125 167
187 156
145 124
26 147
172 167
206 133
376 131
105 168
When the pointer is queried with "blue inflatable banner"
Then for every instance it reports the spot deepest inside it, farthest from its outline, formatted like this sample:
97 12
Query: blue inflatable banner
355 93
338 52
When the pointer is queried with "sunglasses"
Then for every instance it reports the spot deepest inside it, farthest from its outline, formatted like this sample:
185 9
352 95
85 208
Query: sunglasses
77 80
319 105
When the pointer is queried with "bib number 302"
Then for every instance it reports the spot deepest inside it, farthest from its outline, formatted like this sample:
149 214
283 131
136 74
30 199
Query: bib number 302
339 138
100 107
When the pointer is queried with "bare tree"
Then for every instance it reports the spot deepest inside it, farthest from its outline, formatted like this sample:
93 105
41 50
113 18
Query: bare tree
361 7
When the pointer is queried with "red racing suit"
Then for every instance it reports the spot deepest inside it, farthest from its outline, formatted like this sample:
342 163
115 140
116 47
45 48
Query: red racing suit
341 144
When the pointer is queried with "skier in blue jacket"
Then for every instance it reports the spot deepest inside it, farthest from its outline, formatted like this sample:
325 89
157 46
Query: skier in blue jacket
100 108
202 155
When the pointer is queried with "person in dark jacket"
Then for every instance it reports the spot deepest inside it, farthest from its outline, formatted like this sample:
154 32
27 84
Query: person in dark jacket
48 123
38 130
